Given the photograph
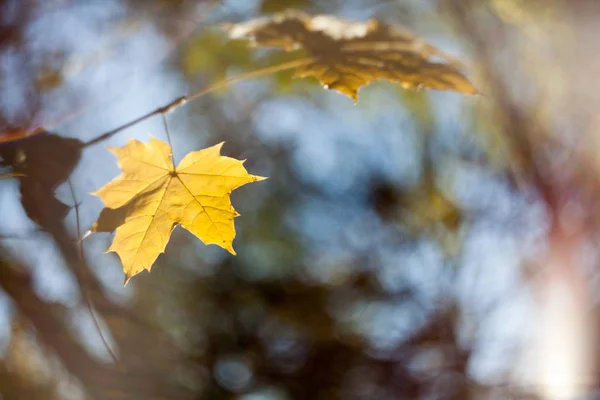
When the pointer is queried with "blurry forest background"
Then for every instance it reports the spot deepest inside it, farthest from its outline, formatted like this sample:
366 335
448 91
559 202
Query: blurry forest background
416 245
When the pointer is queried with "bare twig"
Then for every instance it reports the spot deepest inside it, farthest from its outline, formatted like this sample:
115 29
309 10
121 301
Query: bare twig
84 288
212 88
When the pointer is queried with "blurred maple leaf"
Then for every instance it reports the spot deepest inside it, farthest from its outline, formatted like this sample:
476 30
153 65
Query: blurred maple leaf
41 161
347 55
151 197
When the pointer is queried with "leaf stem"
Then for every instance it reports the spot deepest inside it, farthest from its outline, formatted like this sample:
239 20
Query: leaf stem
211 88
164 118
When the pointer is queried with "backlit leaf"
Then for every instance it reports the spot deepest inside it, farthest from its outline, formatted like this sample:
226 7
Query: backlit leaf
151 197
347 55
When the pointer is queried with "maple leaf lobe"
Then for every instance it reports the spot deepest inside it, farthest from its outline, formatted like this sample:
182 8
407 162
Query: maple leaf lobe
347 55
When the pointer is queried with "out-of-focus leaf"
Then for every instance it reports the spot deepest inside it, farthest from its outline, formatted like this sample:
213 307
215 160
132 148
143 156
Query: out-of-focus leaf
346 55
42 162
151 197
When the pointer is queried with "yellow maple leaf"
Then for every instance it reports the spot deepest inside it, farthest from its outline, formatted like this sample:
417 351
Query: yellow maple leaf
151 197
346 55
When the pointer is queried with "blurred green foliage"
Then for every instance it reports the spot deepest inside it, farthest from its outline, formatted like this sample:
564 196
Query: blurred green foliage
212 54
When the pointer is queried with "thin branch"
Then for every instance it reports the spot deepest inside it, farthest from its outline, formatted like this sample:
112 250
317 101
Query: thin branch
84 288
212 88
